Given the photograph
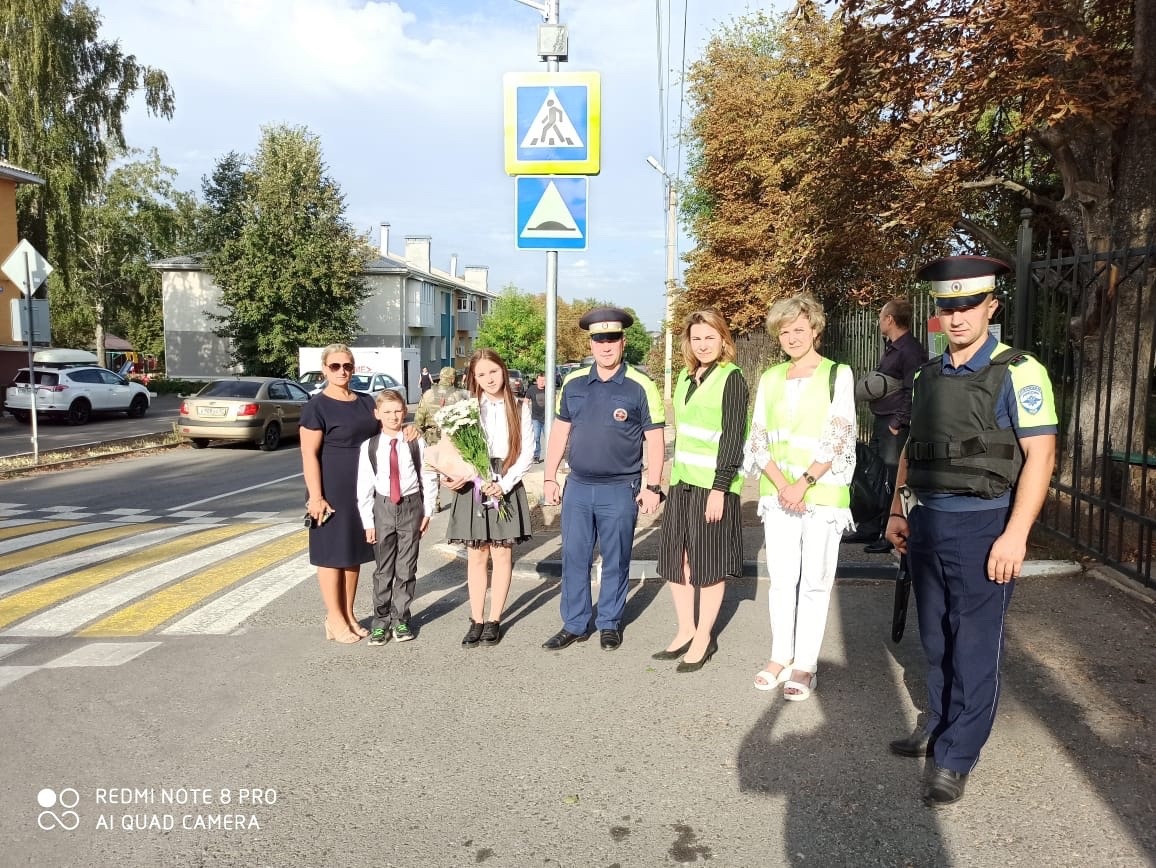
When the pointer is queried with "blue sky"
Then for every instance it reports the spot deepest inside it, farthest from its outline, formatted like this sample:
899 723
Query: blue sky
406 97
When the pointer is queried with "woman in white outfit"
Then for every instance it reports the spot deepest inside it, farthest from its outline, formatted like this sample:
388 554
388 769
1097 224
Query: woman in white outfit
802 439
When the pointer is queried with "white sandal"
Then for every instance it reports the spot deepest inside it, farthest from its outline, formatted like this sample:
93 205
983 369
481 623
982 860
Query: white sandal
804 690
770 682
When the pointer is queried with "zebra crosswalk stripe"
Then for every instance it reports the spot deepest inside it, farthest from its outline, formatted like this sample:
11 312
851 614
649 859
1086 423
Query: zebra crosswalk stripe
38 572
49 544
229 611
155 610
134 575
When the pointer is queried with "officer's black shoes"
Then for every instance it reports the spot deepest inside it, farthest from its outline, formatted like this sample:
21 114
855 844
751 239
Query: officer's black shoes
945 787
562 639
918 744
610 639
879 547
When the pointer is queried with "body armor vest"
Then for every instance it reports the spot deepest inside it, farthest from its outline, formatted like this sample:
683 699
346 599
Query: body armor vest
955 445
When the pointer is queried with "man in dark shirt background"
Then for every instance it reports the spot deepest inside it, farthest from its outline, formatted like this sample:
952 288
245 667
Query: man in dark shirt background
536 398
902 356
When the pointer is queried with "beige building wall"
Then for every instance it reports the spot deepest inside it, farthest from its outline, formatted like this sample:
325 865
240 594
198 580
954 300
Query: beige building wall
8 241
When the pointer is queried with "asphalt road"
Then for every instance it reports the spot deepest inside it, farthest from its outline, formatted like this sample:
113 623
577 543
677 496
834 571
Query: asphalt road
167 698
56 434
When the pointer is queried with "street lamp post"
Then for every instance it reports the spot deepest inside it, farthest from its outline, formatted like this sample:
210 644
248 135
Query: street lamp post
671 264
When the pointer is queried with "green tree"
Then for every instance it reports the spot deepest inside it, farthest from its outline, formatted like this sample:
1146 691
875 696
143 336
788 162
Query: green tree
224 194
515 328
292 273
63 93
134 217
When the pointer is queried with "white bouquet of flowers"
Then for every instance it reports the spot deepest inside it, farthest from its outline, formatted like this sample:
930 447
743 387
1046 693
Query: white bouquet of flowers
462 451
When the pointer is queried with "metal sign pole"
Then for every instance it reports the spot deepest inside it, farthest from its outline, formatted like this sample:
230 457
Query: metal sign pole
31 369
551 15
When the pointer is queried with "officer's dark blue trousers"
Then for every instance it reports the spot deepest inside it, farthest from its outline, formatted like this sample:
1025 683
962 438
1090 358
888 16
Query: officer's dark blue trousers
961 623
607 513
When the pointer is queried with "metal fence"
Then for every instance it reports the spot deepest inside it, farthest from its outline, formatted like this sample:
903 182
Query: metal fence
1089 317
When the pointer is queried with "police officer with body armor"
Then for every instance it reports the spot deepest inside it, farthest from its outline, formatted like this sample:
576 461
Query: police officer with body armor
977 465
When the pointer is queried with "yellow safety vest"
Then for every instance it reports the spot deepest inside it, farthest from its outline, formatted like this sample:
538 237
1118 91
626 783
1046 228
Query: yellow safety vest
794 441
699 425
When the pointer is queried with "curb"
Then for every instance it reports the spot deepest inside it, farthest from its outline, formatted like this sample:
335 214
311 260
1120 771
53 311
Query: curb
647 570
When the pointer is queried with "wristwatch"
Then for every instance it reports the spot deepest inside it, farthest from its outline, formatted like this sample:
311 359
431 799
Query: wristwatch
810 479
657 489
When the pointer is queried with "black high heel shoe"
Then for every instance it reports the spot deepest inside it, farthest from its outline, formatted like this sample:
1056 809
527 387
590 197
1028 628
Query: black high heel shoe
671 655
698 664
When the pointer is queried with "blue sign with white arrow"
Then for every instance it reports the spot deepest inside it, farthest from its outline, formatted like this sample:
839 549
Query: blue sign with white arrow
550 212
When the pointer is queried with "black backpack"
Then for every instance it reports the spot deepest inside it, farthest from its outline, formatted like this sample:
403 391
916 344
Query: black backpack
870 494
414 453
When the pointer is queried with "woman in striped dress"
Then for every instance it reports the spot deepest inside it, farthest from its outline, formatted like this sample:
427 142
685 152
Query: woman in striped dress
701 542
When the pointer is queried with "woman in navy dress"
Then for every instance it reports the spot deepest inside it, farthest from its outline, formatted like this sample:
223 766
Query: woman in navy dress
334 424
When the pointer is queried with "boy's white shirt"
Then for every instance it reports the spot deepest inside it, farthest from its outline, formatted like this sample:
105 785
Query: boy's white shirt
412 478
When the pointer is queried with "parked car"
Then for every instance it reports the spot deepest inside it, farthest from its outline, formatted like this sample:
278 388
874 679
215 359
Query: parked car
262 410
517 383
375 383
312 381
371 384
74 392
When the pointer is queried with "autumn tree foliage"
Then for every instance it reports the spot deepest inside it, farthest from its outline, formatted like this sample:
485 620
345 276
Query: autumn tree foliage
837 154
768 205
1037 103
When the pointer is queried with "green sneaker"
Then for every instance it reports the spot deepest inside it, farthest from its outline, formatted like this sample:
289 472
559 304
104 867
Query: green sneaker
401 632
378 636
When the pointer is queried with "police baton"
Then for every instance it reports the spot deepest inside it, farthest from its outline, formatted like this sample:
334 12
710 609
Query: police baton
902 592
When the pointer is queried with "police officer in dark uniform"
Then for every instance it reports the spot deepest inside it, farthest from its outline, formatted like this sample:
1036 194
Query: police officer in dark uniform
607 411
978 462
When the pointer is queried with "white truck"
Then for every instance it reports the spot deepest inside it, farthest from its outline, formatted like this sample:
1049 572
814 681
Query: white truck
403 364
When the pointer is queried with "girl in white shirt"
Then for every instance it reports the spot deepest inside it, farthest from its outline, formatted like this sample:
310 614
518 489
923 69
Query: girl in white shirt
490 533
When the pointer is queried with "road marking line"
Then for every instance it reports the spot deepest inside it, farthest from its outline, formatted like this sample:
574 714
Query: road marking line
89 535
68 616
9 674
151 612
19 527
101 654
11 648
18 579
238 491
226 613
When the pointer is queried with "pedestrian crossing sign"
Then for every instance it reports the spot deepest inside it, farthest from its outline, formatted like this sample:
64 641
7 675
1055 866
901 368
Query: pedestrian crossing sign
553 123
550 212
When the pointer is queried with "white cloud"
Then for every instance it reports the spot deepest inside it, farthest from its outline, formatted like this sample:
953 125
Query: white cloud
406 98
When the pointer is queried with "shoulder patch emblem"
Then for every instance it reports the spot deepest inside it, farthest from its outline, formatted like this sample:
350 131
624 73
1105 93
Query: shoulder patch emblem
619 415
1019 360
1031 398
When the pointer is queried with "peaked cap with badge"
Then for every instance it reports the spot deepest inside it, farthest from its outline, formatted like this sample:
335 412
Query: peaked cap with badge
606 320
962 281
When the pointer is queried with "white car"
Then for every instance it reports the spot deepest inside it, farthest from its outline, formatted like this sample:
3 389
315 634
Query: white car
75 393
373 383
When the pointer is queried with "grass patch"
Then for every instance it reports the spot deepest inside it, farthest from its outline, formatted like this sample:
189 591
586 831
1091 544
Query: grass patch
112 448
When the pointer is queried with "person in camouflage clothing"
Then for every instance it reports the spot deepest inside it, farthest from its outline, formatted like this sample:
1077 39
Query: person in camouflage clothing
432 400
441 395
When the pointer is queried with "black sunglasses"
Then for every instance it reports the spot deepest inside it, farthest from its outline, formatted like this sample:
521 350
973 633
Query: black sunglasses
338 366
606 337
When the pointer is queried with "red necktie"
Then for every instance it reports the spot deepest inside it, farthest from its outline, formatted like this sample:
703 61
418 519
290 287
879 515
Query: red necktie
394 473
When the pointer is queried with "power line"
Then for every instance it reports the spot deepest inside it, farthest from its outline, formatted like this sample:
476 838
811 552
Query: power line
661 77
